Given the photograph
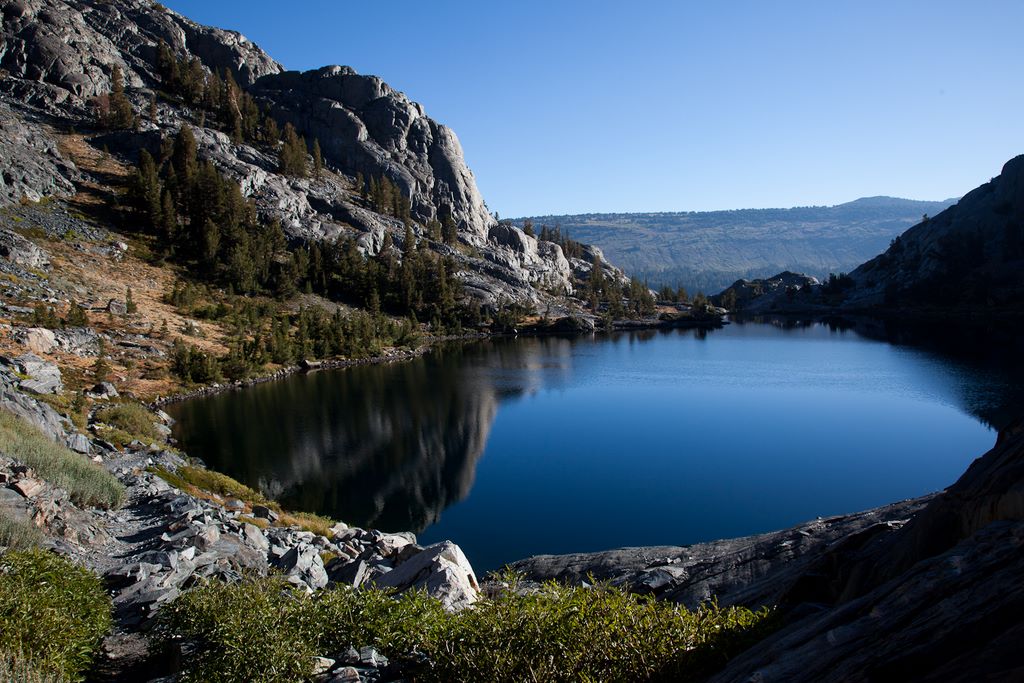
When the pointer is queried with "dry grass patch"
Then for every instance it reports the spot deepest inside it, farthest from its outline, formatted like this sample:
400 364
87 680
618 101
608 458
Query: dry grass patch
220 488
88 483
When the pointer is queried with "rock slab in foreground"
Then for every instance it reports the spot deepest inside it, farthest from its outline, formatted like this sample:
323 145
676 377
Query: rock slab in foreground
442 570
753 570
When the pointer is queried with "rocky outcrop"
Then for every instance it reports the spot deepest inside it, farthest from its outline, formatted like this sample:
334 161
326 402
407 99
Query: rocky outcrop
541 264
38 414
37 375
68 47
754 570
952 617
22 252
970 256
366 126
31 165
58 55
781 292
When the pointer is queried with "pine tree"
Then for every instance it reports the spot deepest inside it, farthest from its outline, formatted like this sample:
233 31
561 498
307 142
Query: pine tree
129 302
101 368
185 157
120 113
168 218
146 189
76 316
292 159
318 160
167 65
271 133
434 229
210 244
449 230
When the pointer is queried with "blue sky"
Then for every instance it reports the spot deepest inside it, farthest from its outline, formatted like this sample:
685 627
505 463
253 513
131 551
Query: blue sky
577 107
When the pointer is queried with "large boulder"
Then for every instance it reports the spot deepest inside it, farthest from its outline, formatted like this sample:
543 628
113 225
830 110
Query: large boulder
41 376
39 414
442 570
22 252
36 339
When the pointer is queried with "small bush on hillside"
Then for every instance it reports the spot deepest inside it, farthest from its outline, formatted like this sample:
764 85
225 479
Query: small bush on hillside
18 534
557 634
88 483
52 611
132 419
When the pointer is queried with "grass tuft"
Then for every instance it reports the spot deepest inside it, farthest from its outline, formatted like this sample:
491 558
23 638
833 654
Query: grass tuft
18 534
88 483
14 668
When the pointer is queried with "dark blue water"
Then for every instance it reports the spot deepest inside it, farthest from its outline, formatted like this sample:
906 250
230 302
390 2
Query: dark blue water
518 447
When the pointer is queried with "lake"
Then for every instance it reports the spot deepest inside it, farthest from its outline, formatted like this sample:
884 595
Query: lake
515 447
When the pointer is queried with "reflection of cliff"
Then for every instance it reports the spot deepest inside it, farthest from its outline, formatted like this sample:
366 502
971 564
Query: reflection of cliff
384 446
982 370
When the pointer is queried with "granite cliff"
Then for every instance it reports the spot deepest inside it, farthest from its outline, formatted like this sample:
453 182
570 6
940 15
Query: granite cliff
58 58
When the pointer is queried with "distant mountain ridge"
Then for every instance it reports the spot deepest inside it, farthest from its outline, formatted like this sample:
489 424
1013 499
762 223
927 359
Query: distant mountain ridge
708 250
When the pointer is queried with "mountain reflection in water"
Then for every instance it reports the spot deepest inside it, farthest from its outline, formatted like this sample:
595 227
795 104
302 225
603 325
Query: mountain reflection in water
627 439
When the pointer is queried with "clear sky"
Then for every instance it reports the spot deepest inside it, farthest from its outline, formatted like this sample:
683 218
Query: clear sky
587 106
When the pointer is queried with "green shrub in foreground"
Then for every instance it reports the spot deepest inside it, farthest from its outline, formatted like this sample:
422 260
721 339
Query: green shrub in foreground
255 630
15 669
263 630
51 611
87 482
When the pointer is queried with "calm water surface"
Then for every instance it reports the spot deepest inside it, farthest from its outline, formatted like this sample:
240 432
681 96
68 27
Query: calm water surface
524 446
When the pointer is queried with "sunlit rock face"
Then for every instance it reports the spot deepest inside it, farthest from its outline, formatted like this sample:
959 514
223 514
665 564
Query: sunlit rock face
58 56
366 126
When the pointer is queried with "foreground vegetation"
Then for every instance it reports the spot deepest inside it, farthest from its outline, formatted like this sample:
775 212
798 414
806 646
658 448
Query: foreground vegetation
264 629
16 669
52 617
86 482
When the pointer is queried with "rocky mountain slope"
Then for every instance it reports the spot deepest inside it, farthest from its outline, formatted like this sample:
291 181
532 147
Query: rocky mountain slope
970 256
968 259
707 250
57 59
